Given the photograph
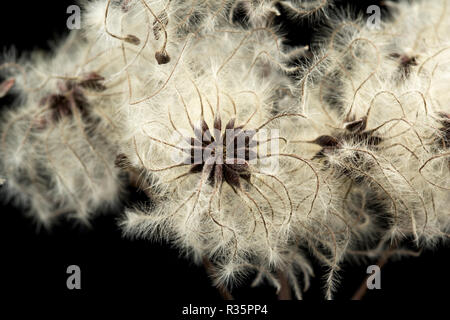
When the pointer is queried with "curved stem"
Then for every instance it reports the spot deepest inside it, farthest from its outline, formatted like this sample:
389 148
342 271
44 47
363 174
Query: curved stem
285 290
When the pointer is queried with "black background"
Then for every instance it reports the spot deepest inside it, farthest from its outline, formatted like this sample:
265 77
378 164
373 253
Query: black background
34 263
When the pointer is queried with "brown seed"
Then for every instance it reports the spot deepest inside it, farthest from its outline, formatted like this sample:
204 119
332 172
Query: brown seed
122 161
357 125
92 81
132 39
326 141
162 57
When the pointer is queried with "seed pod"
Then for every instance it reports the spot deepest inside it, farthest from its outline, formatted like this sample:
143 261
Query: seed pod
162 57
132 39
